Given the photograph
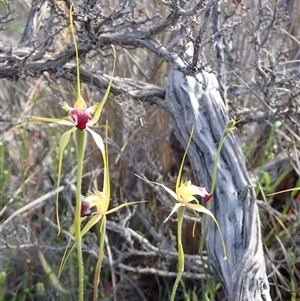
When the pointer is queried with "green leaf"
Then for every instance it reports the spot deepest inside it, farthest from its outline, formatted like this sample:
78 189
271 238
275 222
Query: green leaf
51 274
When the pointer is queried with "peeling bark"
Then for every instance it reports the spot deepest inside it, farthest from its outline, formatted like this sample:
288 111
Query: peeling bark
198 101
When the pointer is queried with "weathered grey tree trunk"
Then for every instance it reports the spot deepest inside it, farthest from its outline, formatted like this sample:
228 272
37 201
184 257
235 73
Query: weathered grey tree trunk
198 102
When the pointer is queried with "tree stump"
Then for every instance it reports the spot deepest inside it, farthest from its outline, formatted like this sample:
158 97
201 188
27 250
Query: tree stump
197 101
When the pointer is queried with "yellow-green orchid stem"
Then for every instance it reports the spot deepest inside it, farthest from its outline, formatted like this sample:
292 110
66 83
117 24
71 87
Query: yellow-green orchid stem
230 125
80 142
100 257
180 214
106 184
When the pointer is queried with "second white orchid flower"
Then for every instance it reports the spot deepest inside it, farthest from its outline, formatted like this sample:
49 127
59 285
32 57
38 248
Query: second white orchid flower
184 194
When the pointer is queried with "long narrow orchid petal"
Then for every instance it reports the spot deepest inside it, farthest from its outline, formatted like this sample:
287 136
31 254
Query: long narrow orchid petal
66 257
104 150
98 140
123 205
63 142
94 220
175 208
80 103
52 120
183 158
192 198
202 209
99 106
67 254
171 192
100 258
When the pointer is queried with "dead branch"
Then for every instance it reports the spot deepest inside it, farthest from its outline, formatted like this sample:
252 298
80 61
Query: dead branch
243 275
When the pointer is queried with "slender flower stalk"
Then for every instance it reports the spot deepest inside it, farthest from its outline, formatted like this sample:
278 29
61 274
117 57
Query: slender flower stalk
184 194
231 126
